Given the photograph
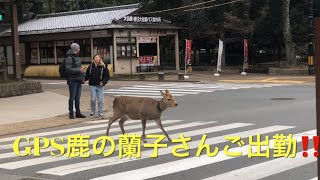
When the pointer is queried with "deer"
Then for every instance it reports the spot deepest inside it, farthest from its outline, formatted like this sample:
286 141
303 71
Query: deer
141 108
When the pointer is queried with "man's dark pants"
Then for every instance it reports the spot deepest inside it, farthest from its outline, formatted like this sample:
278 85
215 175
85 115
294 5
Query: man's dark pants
75 94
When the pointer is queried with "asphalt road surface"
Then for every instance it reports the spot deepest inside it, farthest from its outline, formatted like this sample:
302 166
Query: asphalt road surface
215 110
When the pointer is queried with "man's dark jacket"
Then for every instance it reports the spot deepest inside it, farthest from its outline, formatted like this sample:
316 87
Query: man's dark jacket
73 65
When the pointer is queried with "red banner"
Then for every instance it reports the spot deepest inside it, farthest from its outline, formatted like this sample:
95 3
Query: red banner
146 59
188 52
245 54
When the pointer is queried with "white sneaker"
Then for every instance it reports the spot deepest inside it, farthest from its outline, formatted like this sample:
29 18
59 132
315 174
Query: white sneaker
92 113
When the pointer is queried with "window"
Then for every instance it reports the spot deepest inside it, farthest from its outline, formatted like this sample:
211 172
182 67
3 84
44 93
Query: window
102 46
85 50
47 52
148 49
34 53
64 46
124 48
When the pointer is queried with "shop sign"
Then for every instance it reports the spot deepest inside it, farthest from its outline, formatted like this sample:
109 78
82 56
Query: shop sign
146 59
124 32
126 40
142 19
96 34
147 39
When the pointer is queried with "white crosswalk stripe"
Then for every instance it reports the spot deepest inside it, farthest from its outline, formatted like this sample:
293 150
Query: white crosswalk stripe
269 168
91 133
19 164
112 161
179 89
47 165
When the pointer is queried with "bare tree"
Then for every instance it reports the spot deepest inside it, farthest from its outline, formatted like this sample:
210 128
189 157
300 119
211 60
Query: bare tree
288 41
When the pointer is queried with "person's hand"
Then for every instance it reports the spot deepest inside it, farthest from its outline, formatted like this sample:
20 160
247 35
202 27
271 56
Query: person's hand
82 70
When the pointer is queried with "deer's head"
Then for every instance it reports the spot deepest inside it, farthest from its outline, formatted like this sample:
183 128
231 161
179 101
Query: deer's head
168 99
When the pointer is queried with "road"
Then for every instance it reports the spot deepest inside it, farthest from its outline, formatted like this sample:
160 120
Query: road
216 110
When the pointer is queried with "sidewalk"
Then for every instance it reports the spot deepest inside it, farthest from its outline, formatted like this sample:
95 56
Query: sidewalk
50 109
32 107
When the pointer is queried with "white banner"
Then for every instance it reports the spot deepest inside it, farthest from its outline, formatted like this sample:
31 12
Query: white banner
219 55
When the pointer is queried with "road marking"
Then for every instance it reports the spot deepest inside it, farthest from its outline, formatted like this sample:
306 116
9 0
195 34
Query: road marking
155 97
91 133
158 89
185 164
42 160
115 137
58 132
78 167
152 90
269 168
264 81
146 93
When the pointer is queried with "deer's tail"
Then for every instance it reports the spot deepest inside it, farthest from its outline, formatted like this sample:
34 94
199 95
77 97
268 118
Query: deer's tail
115 103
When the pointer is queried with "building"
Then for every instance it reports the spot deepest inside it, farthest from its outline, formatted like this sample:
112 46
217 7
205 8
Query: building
45 39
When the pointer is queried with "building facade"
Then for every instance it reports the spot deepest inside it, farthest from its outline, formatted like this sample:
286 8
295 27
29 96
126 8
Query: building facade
124 39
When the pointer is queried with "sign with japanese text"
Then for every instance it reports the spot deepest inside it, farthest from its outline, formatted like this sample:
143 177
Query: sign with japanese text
96 34
188 52
147 39
142 19
146 59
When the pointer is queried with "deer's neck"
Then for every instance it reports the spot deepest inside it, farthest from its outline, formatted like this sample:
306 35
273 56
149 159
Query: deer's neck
162 106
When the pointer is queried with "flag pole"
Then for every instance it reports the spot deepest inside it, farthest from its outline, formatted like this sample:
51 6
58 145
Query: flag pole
185 60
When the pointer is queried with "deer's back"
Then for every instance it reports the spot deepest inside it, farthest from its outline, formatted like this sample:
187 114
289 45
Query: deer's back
137 107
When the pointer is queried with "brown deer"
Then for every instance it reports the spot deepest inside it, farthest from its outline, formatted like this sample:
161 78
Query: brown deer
141 108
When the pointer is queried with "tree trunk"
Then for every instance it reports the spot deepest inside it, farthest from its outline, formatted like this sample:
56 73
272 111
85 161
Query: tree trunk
289 45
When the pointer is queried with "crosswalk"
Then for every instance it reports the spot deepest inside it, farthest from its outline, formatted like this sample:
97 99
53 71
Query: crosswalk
180 89
165 165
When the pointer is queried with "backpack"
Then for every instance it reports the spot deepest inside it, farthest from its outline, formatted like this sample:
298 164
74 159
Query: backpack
62 68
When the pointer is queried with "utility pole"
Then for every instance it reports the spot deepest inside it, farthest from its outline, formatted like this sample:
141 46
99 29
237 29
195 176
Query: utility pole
317 70
15 35
311 40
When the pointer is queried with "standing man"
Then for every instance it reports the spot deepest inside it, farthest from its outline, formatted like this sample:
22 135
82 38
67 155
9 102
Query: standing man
76 75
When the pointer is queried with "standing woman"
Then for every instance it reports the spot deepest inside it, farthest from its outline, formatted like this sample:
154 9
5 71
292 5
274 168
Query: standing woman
98 75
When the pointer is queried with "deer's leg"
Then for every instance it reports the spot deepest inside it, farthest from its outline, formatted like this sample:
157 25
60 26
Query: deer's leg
115 117
121 123
144 122
158 121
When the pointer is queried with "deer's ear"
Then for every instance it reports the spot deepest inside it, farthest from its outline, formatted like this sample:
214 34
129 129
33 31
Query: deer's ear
162 94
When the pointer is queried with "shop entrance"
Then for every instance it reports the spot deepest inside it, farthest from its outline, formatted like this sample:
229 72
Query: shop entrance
167 52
